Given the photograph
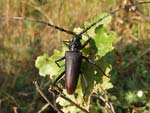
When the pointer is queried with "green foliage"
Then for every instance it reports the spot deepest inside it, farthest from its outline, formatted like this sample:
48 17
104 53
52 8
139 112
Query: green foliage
47 65
131 97
131 79
98 83
19 47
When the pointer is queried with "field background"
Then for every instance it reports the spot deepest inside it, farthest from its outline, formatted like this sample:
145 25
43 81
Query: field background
22 41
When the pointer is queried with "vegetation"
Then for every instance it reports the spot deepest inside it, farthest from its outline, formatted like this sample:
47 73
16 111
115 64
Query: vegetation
21 42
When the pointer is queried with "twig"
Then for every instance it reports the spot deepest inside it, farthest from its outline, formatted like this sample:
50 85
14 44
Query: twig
136 59
108 104
139 12
45 98
111 13
70 32
64 97
15 109
43 108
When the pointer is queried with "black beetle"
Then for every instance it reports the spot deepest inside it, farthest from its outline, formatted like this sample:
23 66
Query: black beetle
73 57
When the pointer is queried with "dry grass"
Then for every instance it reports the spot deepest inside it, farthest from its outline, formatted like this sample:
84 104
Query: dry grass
22 41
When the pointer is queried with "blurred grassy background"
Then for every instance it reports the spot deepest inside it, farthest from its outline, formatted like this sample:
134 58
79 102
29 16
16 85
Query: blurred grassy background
22 41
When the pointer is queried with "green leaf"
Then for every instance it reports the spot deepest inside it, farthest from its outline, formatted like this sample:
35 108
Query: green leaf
104 41
42 64
57 55
64 102
78 30
47 65
106 83
131 97
104 23
67 106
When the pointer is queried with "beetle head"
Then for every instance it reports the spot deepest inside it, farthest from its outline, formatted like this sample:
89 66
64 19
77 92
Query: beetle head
75 43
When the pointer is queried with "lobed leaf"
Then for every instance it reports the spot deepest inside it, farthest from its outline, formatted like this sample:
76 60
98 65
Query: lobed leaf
47 65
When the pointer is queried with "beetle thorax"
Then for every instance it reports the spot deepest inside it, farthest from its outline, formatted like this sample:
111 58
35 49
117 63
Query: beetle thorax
75 44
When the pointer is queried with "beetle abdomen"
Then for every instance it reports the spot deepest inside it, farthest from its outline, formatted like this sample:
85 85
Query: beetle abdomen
72 67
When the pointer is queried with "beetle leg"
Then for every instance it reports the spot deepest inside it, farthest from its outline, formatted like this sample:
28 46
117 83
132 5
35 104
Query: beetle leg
59 61
85 43
67 43
85 81
58 78
93 63
53 84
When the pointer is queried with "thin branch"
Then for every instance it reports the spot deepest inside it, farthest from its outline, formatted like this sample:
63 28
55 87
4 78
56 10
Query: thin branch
45 98
108 104
111 13
43 108
15 109
70 32
131 61
139 12
64 97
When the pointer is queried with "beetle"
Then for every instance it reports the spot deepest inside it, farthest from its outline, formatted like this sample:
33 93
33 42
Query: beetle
73 60
73 57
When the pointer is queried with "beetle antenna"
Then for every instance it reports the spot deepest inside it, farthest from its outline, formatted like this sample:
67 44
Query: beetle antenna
111 13
39 21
